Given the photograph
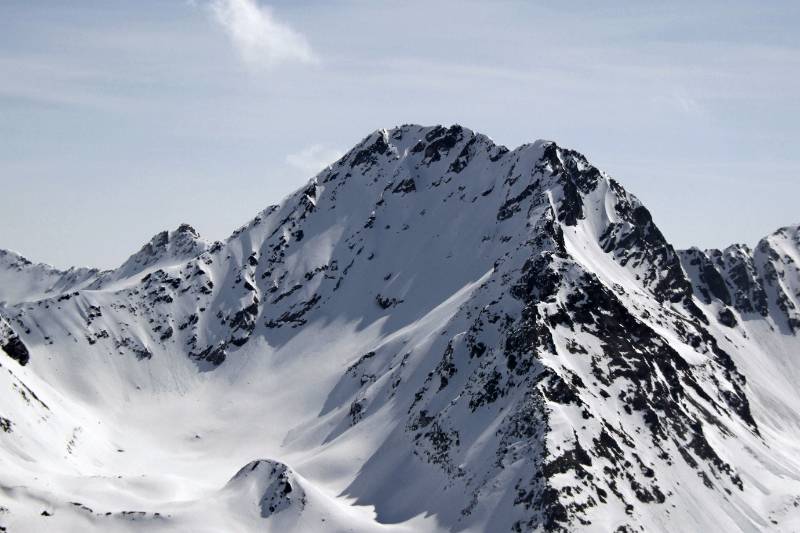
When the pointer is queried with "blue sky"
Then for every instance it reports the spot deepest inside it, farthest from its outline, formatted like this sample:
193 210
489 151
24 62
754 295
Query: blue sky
119 119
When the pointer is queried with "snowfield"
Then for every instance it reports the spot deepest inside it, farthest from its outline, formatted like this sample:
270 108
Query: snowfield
436 333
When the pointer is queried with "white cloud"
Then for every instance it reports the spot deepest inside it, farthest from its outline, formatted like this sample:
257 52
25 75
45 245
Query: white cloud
680 101
313 158
260 39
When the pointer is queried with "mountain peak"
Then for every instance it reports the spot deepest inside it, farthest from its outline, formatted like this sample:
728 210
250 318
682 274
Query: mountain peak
184 233
23 280
491 339
188 229
166 248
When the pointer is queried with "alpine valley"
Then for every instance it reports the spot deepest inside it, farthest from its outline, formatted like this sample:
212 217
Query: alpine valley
436 333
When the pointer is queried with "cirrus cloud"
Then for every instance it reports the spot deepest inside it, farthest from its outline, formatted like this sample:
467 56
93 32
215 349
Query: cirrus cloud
313 158
261 40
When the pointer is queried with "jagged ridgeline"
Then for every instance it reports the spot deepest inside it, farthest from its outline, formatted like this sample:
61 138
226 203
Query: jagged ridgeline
436 333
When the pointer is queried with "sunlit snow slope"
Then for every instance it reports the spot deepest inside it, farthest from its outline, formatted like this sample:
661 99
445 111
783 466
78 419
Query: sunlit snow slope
435 334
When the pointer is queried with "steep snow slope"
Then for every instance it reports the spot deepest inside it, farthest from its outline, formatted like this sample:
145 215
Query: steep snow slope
436 333
755 295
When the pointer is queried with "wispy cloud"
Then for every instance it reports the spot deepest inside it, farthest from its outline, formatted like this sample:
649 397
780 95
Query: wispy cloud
313 158
261 40
680 101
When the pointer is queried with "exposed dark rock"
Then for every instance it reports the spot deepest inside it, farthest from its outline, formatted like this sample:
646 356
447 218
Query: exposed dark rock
16 350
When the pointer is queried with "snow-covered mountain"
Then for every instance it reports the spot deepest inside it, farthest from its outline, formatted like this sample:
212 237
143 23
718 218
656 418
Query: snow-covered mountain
435 334
24 281
165 249
21 280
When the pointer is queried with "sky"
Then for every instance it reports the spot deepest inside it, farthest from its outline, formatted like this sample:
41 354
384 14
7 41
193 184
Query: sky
119 119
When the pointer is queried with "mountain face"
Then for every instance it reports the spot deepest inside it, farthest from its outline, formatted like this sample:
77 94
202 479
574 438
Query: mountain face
436 333
758 284
22 280
165 249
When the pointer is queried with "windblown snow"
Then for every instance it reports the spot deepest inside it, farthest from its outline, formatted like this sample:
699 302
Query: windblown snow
436 333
